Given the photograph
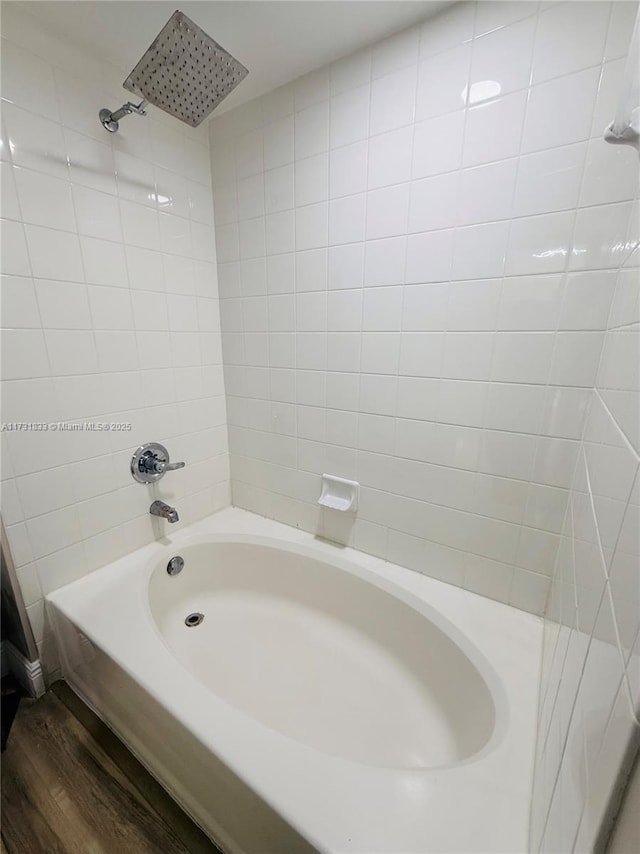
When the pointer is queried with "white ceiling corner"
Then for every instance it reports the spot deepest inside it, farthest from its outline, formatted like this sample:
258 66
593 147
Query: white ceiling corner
278 40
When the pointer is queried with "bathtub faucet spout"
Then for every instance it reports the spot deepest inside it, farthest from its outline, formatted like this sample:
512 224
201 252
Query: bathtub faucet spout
159 508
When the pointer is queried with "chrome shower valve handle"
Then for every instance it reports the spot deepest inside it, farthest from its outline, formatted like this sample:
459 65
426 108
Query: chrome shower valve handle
159 466
150 462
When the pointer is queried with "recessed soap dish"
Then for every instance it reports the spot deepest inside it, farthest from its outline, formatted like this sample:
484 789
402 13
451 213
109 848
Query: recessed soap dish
338 493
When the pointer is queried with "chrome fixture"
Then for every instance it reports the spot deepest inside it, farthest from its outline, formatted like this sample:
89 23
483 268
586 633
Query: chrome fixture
159 508
194 619
150 462
184 72
175 565
110 121
625 127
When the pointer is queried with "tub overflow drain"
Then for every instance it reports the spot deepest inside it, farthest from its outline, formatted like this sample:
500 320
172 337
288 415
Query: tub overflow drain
175 565
194 620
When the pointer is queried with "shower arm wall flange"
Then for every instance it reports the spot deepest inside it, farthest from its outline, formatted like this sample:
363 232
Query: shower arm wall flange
109 120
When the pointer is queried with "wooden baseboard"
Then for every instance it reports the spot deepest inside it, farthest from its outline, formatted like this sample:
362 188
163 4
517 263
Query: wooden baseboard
28 673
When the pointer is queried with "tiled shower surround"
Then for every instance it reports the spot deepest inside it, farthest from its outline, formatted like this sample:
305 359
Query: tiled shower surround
416 258
109 314
589 724
428 283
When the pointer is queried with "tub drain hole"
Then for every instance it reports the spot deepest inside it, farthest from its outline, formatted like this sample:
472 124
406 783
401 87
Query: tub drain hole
194 619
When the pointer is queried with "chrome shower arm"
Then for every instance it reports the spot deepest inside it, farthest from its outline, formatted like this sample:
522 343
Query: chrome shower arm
128 108
110 120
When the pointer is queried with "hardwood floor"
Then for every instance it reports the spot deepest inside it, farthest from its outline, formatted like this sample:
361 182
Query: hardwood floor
69 786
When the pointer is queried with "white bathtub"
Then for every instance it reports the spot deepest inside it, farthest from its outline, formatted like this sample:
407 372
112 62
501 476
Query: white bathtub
327 701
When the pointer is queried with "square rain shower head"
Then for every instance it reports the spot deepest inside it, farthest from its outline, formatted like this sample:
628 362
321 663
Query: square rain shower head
185 72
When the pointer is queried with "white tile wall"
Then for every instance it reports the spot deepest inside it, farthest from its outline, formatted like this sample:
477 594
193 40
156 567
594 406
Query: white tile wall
109 314
433 309
589 716
590 704
590 708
